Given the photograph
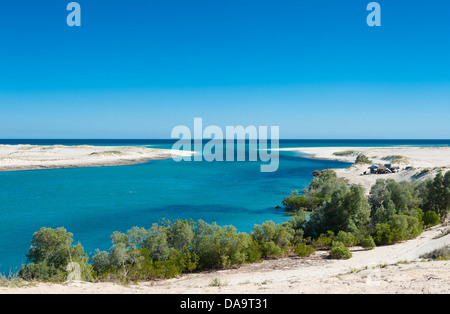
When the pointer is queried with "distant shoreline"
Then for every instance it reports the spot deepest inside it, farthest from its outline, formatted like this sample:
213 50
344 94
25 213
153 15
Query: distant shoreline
41 157
415 162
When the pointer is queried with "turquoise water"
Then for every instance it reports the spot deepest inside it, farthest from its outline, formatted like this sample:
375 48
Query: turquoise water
92 203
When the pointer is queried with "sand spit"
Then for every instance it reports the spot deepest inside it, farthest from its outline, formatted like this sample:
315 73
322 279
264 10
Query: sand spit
416 163
36 157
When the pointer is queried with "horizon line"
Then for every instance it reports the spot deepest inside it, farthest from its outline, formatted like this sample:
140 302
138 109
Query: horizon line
176 139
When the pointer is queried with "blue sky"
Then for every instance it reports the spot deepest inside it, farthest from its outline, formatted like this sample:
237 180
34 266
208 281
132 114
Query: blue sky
136 69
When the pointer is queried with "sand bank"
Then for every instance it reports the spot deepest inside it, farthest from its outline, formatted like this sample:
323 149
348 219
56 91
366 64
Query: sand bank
35 157
416 163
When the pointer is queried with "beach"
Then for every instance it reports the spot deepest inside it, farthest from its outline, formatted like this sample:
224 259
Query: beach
38 157
415 163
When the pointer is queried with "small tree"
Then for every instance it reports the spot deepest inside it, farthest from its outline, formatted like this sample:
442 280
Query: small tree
51 253
438 198
348 210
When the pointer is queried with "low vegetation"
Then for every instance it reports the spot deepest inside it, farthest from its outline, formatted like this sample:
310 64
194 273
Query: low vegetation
346 153
395 158
442 234
339 251
368 243
216 282
14 281
340 217
442 254
317 194
108 153
304 250
362 159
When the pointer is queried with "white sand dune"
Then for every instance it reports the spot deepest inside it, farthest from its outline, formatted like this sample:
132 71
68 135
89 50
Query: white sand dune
34 157
426 162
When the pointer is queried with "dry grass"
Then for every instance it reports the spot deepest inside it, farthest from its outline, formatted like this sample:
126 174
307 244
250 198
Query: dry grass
13 281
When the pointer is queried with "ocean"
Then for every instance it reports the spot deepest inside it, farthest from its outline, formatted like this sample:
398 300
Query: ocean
92 203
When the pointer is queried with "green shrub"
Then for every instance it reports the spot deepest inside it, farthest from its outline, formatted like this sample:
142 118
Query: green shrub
42 271
270 249
148 269
295 226
347 210
253 252
304 250
407 227
345 153
50 255
395 158
339 251
220 247
324 241
438 194
170 249
177 264
442 254
368 243
362 159
382 234
402 227
320 190
347 238
431 218
216 282
268 235
394 198
181 234
295 202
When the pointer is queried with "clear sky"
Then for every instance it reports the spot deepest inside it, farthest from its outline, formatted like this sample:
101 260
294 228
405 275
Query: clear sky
136 69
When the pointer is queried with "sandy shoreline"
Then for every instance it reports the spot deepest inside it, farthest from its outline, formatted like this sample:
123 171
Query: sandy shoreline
425 162
37 157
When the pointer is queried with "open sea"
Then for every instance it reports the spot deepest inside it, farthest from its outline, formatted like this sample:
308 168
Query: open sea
92 203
